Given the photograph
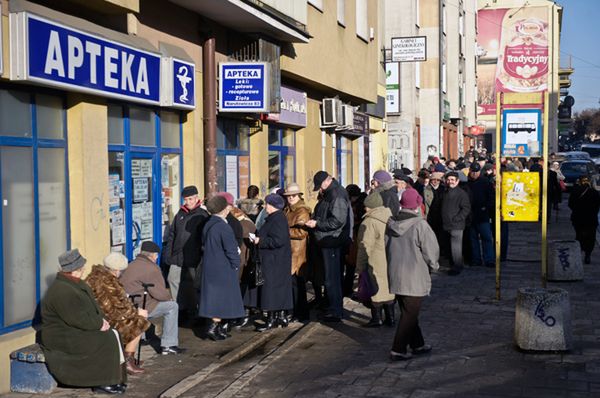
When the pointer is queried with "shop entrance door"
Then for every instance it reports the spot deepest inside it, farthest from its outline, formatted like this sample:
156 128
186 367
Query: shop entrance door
142 200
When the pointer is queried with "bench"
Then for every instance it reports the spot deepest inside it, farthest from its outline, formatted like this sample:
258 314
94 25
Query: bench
28 371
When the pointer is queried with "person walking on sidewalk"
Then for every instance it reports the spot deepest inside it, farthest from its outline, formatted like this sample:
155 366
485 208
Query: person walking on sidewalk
456 208
143 275
584 203
371 258
275 250
219 293
412 252
332 226
183 250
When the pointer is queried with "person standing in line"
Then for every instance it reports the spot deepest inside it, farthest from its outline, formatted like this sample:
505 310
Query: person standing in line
297 214
482 207
183 251
332 225
433 195
371 258
219 293
584 203
383 183
456 208
275 250
251 204
412 253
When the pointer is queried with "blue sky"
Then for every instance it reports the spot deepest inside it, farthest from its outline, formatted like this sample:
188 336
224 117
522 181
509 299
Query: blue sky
580 37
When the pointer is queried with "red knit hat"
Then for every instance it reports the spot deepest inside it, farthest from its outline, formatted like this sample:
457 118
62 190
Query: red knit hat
411 199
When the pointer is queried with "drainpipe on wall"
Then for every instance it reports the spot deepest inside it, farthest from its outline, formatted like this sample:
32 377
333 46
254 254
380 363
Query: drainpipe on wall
209 108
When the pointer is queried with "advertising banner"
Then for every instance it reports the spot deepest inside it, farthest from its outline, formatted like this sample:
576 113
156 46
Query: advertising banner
292 108
55 55
521 132
243 87
392 86
520 196
409 49
512 45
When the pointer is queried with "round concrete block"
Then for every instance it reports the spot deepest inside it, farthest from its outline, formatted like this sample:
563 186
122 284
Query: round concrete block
564 261
543 319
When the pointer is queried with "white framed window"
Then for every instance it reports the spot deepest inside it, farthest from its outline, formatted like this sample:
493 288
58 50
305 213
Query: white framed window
461 24
318 4
444 22
362 25
444 79
417 74
418 13
341 12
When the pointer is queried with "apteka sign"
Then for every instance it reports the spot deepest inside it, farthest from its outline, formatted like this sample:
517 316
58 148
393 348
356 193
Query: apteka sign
243 87
60 56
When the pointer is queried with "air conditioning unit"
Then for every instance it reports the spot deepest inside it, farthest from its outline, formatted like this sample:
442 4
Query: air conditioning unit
331 112
347 116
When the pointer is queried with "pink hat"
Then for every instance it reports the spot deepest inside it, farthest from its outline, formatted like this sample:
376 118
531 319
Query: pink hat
228 197
411 199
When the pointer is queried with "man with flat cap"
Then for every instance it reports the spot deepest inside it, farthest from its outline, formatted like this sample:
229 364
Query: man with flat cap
183 249
332 227
144 273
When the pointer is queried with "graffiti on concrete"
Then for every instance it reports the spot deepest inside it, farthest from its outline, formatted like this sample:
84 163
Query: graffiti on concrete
563 257
541 314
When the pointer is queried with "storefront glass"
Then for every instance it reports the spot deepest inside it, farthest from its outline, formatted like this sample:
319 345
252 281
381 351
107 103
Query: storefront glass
116 200
282 157
233 171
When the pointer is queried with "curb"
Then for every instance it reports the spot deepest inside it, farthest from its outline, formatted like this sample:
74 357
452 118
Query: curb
235 355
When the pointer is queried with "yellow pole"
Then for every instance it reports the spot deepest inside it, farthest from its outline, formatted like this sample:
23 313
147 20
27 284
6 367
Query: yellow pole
545 194
498 192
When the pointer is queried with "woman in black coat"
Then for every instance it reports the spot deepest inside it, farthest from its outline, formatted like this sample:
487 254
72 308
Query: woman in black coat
276 261
584 203
219 293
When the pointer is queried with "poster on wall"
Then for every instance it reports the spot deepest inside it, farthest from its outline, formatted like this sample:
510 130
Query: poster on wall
244 178
520 196
512 45
140 189
231 175
114 199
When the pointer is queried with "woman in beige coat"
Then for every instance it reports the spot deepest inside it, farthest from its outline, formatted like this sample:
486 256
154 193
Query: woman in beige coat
371 257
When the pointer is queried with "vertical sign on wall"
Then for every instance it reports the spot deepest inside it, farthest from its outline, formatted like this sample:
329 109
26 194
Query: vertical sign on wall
392 86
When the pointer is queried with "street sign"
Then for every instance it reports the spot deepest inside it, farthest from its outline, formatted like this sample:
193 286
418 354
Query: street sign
409 49
521 132
392 86
243 87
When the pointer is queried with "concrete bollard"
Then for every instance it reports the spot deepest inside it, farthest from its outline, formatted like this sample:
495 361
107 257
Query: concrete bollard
564 261
543 319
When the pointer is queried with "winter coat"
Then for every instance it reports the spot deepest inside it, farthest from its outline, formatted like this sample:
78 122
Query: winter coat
389 194
251 207
237 228
412 251
112 299
220 295
432 199
247 228
183 246
334 217
483 199
371 251
143 270
456 208
77 352
297 215
584 203
274 248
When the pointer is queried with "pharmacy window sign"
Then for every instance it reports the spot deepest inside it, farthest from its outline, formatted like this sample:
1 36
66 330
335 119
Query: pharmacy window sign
243 87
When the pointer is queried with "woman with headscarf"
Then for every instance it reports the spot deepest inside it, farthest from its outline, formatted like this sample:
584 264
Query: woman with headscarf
555 167
275 251
584 203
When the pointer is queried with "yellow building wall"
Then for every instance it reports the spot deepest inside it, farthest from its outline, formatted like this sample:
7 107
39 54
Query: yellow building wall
379 145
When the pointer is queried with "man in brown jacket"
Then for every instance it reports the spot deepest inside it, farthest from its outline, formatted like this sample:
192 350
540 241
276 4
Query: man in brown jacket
159 302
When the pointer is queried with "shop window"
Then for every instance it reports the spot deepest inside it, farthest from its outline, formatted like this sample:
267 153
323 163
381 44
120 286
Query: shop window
282 157
33 189
170 128
15 113
141 126
171 188
115 124
233 171
116 200
344 160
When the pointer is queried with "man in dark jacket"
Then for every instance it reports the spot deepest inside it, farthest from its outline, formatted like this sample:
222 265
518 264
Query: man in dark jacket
456 208
183 249
383 183
482 204
332 226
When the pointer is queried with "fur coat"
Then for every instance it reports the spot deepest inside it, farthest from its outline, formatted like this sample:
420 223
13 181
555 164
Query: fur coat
118 309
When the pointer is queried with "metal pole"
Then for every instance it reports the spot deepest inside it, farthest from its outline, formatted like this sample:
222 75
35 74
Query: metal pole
498 192
209 108
545 194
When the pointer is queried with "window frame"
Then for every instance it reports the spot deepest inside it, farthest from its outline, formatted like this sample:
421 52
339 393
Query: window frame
224 152
35 143
283 150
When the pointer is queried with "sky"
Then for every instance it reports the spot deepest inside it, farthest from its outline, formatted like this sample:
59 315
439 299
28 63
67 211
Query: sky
580 38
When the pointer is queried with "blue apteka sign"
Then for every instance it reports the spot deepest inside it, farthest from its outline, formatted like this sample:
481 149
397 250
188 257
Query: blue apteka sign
66 57
243 87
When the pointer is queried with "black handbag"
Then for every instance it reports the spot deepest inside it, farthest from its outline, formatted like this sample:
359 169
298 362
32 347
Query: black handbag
253 275
259 280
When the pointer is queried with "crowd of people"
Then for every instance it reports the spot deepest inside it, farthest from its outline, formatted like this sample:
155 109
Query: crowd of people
247 264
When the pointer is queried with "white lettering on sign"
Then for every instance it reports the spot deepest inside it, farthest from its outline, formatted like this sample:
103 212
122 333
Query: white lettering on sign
243 74
76 51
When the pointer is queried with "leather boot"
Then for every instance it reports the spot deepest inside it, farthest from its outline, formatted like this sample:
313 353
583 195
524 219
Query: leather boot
282 319
389 314
213 332
131 367
375 321
269 323
222 330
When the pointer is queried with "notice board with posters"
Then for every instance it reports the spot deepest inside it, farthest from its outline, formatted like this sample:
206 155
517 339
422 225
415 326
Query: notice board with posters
521 196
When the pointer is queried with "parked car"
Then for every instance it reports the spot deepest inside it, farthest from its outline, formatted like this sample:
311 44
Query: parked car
573 169
594 152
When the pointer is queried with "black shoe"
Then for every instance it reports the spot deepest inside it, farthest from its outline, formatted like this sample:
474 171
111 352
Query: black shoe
213 332
112 389
424 349
331 319
399 356
222 330
375 321
269 323
389 312
171 350
282 319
